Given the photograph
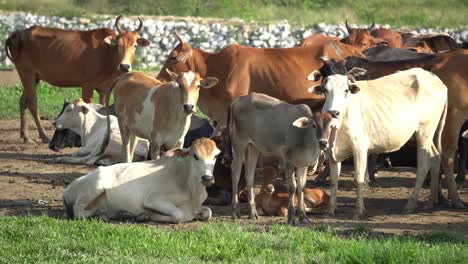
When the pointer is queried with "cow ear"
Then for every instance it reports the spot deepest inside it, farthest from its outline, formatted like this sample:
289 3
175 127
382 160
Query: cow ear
208 82
314 76
84 109
173 75
184 55
354 87
111 41
303 122
465 134
316 89
142 42
356 71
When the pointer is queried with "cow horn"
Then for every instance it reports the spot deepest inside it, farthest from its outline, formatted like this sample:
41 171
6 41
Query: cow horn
347 26
178 37
314 76
372 26
116 25
140 26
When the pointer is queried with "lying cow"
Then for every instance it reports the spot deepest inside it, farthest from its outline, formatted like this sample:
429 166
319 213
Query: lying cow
273 197
380 116
159 112
260 124
170 189
82 119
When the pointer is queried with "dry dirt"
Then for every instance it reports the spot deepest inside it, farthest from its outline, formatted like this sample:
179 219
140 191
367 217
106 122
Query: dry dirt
32 183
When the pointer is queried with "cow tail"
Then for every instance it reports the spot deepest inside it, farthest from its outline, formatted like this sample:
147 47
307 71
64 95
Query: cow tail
440 128
13 45
106 139
68 208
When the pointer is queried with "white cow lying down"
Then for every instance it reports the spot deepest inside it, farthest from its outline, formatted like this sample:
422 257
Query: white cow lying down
170 189
83 119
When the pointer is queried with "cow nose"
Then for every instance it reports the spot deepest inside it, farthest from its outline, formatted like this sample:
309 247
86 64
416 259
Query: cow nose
188 108
334 114
323 144
124 67
207 179
270 188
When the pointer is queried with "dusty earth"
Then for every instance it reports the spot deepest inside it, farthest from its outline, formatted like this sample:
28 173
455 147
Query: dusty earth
32 183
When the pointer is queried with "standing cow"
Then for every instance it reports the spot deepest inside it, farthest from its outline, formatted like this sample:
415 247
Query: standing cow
380 116
69 58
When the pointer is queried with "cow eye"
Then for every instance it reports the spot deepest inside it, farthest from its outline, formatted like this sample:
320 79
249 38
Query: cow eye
69 109
195 157
346 91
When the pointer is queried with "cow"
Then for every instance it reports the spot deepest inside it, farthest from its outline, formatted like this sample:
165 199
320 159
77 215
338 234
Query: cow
362 38
273 198
394 38
450 68
159 112
430 43
241 70
385 53
317 40
82 119
462 154
69 58
380 116
170 189
260 124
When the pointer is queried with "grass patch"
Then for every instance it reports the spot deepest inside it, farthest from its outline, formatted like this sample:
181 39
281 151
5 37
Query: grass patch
416 13
44 239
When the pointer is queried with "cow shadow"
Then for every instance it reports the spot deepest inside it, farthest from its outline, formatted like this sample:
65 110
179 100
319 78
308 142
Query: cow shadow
44 158
57 179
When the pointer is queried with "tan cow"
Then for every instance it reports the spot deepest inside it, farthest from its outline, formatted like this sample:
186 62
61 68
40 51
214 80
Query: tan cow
69 58
159 112
170 189
380 116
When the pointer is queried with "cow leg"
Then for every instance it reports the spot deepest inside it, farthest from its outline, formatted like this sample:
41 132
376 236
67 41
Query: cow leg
133 141
155 149
236 167
360 167
462 157
250 165
89 203
450 134
435 173
301 177
87 95
162 211
372 168
204 214
335 168
289 174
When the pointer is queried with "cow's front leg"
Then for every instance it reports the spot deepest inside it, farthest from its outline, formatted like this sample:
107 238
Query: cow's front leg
236 168
301 181
360 166
289 174
162 211
204 214
335 168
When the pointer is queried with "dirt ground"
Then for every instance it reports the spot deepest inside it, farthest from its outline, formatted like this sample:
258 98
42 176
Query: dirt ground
31 183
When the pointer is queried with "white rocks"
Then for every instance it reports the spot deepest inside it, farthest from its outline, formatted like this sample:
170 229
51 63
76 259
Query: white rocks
204 34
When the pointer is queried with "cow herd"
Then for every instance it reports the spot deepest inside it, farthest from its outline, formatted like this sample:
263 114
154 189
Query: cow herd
273 111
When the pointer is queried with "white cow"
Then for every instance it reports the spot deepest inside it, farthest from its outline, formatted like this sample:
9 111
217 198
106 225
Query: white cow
170 189
83 119
380 116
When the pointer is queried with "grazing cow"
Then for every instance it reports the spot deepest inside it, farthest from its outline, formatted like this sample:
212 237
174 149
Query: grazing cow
273 198
170 189
82 119
260 124
362 38
450 68
69 58
241 70
380 116
159 112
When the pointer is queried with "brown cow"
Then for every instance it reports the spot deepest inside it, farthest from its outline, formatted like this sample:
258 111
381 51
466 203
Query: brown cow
393 38
273 197
362 38
280 73
430 43
69 58
450 67
317 39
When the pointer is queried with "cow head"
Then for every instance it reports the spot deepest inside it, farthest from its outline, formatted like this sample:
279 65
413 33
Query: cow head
73 117
180 60
125 44
269 178
64 138
203 153
362 38
338 85
190 83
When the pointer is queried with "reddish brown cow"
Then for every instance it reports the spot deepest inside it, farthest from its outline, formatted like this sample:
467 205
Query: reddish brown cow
430 43
317 39
393 38
280 73
362 38
69 58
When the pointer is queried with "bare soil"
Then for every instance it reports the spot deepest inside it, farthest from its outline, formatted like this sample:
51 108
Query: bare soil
32 183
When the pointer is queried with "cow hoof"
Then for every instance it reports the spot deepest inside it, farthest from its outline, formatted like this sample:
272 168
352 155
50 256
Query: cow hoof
292 221
253 215
458 205
235 215
304 220
359 214
45 140
29 141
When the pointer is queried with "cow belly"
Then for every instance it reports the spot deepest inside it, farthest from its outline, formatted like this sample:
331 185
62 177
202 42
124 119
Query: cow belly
124 201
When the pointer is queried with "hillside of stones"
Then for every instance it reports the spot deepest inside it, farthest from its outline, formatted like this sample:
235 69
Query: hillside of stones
208 34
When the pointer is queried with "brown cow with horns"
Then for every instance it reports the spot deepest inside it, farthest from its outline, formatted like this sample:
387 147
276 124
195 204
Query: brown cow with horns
69 58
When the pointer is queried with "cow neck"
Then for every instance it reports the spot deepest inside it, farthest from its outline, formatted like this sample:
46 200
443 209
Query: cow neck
197 63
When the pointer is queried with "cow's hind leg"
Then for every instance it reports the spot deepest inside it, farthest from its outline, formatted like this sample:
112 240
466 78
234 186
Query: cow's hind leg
162 211
250 165
360 166
236 167
435 173
335 168
292 186
301 181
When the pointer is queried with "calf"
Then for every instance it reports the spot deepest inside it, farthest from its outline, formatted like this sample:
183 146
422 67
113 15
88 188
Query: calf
159 112
170 189
380 116
82 119
260 124
273 198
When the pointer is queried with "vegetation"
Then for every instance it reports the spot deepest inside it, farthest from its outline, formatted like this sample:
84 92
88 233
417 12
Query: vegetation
44 239
416 13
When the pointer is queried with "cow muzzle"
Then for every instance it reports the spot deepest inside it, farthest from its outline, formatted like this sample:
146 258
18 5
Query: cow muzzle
323 144
189 109
269 188
207 180
125 67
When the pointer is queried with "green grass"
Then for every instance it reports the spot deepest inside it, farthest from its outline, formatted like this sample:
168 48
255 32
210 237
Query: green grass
415 13
44 239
